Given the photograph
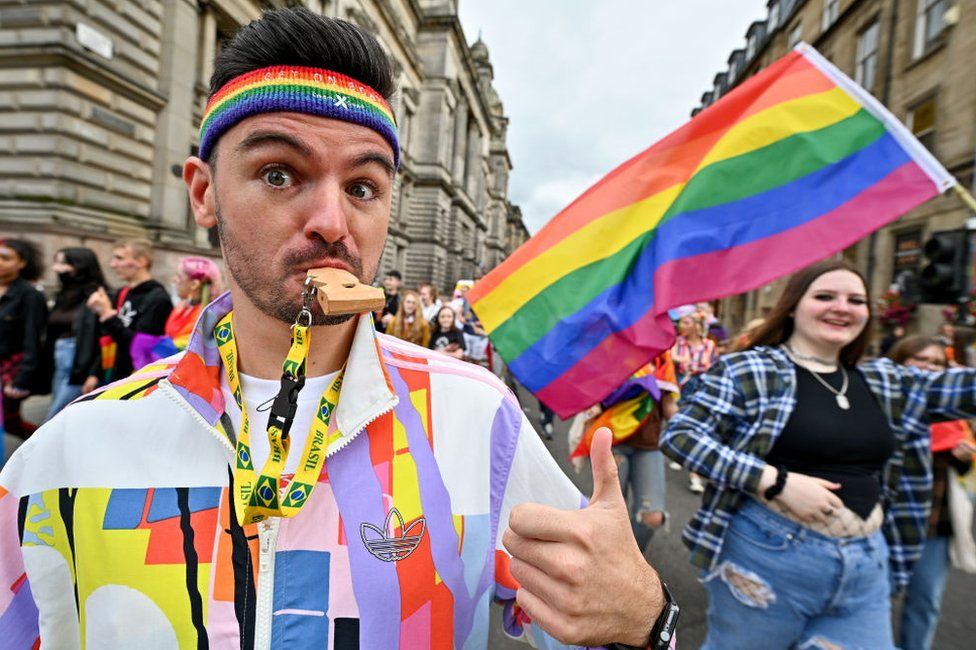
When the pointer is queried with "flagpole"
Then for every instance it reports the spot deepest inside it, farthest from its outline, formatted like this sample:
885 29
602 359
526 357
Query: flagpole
964 194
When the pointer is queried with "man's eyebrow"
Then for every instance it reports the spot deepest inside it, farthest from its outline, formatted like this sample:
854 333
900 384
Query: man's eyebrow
383 161
258 138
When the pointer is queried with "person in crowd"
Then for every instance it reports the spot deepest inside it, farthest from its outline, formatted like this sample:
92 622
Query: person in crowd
71 342
391 288
409 323
692 354
142 305
23 319
946 336
888 341
415 490
818 472
640 463
430 304
546 416
196 282
952 447
446 337
742 341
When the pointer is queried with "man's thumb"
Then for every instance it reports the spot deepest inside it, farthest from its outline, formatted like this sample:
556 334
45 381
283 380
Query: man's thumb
606 484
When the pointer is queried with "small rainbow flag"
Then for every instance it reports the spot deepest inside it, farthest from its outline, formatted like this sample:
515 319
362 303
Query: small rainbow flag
794 165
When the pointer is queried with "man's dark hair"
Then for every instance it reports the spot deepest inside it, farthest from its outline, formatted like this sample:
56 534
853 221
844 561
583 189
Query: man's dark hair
299 37
394 274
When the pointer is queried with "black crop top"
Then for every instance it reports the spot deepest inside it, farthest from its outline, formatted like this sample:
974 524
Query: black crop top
849 447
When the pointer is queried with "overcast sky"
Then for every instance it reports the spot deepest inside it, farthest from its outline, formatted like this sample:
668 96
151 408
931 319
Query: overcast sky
589 83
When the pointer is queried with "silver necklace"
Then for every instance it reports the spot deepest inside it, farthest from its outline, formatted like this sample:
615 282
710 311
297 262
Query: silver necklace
805 357
839 395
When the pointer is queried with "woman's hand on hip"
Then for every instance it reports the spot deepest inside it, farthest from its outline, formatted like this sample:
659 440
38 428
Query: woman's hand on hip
810 498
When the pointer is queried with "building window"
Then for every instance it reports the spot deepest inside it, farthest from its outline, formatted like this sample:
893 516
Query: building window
929 22
866 65
751 47
921 122
829 15
773 20
796 34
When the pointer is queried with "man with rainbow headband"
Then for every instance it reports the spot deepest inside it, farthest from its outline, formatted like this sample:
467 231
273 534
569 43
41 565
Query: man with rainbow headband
393 493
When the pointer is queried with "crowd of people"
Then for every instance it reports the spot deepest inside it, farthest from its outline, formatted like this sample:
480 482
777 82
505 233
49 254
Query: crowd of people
87 334
818 493
422 318
829 480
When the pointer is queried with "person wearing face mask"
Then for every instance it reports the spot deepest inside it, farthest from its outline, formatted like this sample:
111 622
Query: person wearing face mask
23 315
818 471
72 329
952 456
195 283
408 324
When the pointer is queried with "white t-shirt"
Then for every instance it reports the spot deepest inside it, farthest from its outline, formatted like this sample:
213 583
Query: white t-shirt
259 393
431 311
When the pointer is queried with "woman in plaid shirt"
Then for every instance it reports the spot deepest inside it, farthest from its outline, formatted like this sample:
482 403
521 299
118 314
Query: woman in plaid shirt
819 472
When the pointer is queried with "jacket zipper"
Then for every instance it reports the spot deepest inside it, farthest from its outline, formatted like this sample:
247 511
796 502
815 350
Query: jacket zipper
268 543
268 529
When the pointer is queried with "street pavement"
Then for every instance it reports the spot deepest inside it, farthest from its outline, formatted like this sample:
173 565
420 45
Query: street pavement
957 627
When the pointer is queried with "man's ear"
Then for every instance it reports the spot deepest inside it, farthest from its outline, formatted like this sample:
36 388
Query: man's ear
200 186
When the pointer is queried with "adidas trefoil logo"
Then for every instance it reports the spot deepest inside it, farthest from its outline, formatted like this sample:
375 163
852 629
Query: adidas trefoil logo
393 548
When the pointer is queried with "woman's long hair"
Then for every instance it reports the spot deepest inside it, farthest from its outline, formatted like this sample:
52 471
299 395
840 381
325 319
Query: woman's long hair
30 253
435 323
86 278
412 331
778 326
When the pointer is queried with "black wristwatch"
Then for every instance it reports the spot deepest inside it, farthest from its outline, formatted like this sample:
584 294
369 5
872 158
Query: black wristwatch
663 631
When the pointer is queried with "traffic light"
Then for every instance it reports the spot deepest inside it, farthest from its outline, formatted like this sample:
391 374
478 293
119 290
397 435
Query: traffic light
944 278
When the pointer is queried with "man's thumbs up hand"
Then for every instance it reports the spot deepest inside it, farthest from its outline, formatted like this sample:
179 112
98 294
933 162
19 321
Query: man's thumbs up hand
581 576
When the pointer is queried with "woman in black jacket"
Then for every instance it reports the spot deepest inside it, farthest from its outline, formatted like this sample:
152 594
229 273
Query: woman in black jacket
72 329
23 316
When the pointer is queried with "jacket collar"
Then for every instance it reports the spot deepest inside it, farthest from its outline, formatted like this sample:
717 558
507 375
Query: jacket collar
367 391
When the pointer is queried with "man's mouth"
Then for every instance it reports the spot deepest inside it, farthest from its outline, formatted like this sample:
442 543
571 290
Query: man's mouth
329 264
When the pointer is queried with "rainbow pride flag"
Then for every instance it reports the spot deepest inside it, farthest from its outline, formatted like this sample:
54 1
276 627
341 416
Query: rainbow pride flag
792 166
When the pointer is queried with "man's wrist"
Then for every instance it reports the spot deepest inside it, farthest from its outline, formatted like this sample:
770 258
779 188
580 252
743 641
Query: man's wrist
647 612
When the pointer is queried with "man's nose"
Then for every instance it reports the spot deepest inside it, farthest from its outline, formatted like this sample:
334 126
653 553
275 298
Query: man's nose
327 214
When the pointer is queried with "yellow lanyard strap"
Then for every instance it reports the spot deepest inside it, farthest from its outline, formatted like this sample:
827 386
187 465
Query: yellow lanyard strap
258 497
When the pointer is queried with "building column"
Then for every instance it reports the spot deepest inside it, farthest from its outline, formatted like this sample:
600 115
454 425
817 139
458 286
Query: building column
168 208
458 167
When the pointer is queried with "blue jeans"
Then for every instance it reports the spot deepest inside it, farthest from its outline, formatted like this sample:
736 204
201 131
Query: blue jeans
920 613
643 471
62 393
778 584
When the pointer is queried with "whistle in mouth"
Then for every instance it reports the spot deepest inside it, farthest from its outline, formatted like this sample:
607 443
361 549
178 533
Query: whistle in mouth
340 292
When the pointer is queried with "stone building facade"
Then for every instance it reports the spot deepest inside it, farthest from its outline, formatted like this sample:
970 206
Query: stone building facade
916 57
100 101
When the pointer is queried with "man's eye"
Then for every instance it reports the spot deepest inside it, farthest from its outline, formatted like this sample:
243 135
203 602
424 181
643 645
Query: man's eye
363 191
278 177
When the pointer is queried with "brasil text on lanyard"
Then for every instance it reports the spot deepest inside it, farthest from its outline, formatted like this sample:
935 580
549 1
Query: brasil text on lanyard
257 497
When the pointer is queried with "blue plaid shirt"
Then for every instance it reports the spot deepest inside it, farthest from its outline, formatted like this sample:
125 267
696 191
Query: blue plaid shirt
731 419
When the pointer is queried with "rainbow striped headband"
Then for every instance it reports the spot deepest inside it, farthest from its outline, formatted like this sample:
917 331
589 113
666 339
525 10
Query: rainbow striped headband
300 90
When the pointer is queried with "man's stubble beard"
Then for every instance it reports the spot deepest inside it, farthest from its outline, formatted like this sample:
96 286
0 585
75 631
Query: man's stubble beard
271 300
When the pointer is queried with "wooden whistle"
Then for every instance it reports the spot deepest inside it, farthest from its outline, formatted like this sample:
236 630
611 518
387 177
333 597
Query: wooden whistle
341 292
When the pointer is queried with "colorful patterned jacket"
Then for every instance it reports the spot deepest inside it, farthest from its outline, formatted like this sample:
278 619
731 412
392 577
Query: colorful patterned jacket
116 529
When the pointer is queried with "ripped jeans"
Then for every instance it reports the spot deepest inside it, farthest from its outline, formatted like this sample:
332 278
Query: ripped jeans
780 585
643 471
